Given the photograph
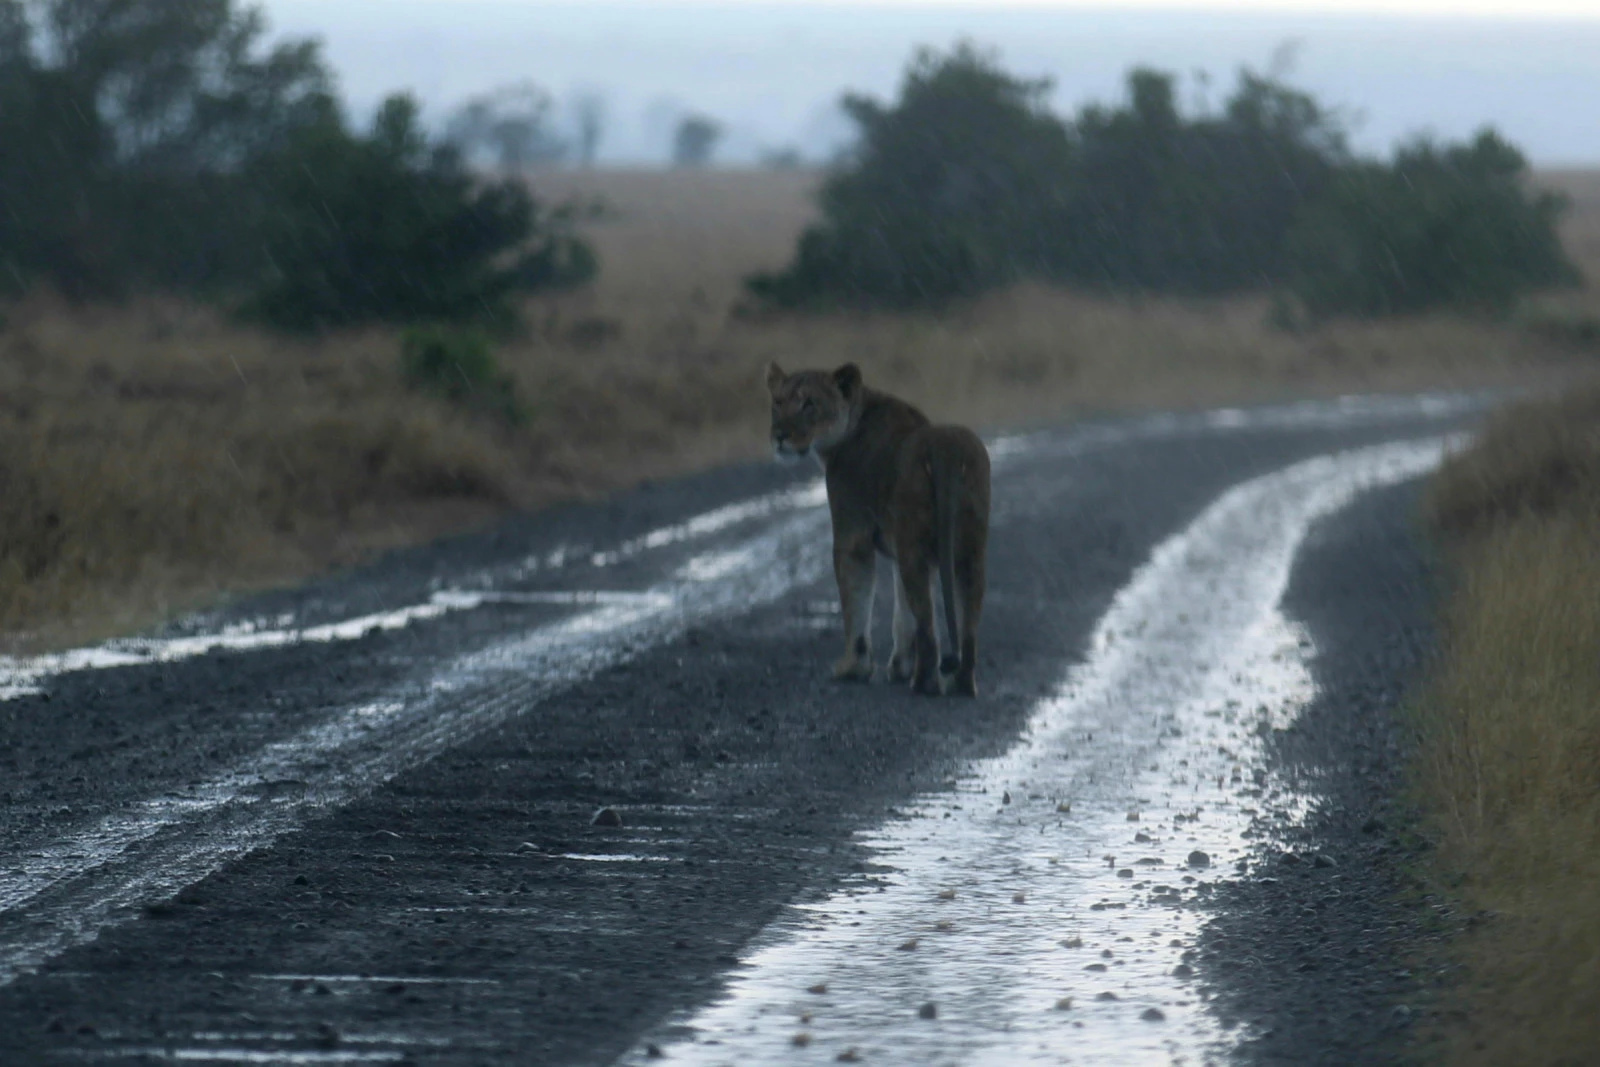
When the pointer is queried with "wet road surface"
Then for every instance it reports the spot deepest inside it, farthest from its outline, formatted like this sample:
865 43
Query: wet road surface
357 822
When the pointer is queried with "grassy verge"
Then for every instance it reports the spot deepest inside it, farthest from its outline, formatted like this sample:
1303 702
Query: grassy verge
154 456
1509 771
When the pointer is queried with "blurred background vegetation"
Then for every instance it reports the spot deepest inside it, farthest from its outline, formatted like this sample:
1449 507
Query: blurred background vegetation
969 183
245 336
169 147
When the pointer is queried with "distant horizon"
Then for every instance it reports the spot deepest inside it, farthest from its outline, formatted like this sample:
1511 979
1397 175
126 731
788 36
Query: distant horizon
1512 10
772 71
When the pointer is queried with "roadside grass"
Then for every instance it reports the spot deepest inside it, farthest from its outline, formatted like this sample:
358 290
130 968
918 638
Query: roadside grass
155 456
1508 771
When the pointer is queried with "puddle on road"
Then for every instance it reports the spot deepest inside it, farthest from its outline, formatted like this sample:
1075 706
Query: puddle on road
811 495
21 677
1041 907
221 1055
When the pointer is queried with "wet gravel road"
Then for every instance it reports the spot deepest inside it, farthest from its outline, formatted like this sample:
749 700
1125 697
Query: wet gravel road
357 822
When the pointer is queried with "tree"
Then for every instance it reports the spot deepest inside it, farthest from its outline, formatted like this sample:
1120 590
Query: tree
1441 226
510 127
589 116
150 144
1161 201
969 182
388 227
786 158
695 140
109 107
957 187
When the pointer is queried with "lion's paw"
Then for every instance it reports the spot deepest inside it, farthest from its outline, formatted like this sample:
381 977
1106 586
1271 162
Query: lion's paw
853 669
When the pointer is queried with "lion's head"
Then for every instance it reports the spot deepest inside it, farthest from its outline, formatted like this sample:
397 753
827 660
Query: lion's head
811 408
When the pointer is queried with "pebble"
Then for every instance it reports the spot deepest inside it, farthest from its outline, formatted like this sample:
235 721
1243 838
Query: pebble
1064 1004
800 1040
1105 996
1199 859
1019 898
849 1055
929 1010
819 989
1153 1015
908 946
606 817
947 894
1072 942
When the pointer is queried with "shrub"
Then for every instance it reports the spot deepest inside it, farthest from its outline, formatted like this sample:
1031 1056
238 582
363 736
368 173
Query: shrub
969 182
126 126
1442 226
949 192
1162 202
149 144
387 227
458 366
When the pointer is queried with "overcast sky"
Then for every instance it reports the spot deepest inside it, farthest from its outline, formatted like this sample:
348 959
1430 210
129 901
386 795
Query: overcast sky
772 72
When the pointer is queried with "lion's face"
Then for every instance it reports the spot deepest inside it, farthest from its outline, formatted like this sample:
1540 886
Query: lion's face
810 410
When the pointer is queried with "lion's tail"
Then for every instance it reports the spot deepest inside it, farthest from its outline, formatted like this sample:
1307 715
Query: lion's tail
947 482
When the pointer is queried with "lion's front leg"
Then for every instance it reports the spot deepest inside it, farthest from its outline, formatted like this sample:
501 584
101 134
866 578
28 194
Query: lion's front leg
855 566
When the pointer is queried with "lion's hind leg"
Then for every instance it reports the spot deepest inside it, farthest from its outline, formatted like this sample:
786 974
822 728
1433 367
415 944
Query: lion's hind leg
970 581
916 580
902 661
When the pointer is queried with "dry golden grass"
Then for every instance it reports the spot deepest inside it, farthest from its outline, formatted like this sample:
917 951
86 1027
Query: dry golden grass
155 456
1509 766
1580 230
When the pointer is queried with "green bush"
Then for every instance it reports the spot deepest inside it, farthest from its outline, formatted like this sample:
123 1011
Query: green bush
146 144
127 126
1166 203
458 366
969 182
387 227
950 192
1442 226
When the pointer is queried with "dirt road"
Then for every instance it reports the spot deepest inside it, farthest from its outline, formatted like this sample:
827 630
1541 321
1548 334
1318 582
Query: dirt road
578 790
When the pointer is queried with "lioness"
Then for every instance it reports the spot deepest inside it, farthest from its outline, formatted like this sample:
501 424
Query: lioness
900 487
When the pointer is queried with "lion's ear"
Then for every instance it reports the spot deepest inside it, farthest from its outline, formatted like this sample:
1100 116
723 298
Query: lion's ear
775 377
848 380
